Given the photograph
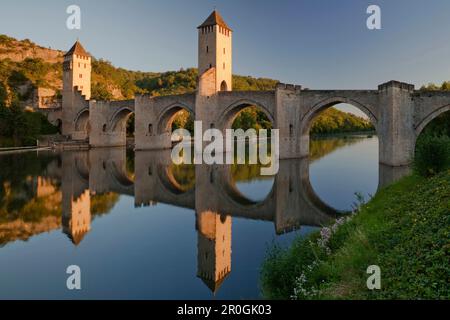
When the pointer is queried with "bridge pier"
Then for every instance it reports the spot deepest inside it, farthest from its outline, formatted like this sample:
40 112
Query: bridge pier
288 121
396 125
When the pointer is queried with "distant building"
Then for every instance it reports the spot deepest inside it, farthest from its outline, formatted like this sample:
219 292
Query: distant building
45 98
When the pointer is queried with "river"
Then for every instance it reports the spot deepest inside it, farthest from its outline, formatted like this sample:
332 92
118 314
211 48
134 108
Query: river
141 228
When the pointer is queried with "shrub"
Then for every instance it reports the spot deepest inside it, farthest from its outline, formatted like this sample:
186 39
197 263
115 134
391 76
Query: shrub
432 154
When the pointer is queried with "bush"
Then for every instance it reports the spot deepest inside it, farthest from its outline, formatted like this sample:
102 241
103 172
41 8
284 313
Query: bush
432 155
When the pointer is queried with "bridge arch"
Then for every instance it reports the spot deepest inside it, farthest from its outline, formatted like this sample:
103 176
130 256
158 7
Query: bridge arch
322 105
231 112
81 121
118 121
430 117
168 114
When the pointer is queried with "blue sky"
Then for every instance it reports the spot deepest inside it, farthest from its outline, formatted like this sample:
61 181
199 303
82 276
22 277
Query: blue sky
321 44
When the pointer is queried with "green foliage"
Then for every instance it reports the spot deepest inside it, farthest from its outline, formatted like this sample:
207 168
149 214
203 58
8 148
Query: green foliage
241 83
169 83
433 145
404 229
5 40
432 154
335 121
439 126
22 128
252 118
100 92
445 86
3 95
106 77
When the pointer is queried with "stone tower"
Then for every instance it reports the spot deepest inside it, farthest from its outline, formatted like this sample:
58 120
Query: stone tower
215 50
76 86
77 70
214 248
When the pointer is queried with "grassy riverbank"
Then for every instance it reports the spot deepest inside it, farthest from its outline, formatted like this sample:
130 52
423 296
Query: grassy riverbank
404 229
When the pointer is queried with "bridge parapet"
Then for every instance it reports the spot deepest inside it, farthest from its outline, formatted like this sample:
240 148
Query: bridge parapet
396 84
290 87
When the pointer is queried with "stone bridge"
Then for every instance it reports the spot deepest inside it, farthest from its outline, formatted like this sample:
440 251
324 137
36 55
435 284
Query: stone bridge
398 111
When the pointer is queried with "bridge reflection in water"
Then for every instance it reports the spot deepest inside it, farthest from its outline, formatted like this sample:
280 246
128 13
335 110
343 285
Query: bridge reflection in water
213 196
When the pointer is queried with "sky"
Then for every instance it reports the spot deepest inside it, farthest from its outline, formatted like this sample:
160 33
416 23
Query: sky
320 44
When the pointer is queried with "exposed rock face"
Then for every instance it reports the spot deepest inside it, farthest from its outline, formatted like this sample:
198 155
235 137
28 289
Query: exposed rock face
18 51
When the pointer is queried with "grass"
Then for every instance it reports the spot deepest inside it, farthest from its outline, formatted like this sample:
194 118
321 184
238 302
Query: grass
404 229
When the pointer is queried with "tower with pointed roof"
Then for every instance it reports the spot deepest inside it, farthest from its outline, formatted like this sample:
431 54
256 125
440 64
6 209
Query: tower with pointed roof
76 87
77 70
215 50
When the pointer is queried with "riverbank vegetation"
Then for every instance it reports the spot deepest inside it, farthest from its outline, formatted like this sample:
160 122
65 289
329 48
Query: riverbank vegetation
404 229
19 127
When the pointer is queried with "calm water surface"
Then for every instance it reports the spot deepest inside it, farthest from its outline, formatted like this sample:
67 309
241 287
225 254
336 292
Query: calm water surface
141 228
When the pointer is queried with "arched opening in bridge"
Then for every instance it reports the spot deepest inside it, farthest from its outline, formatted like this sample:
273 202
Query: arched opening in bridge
249 117
433 133
437 123
122 123
82 125
343 153
246 184
176 117
82 121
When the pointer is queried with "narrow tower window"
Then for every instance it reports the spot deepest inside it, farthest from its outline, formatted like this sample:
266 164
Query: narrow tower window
207 49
